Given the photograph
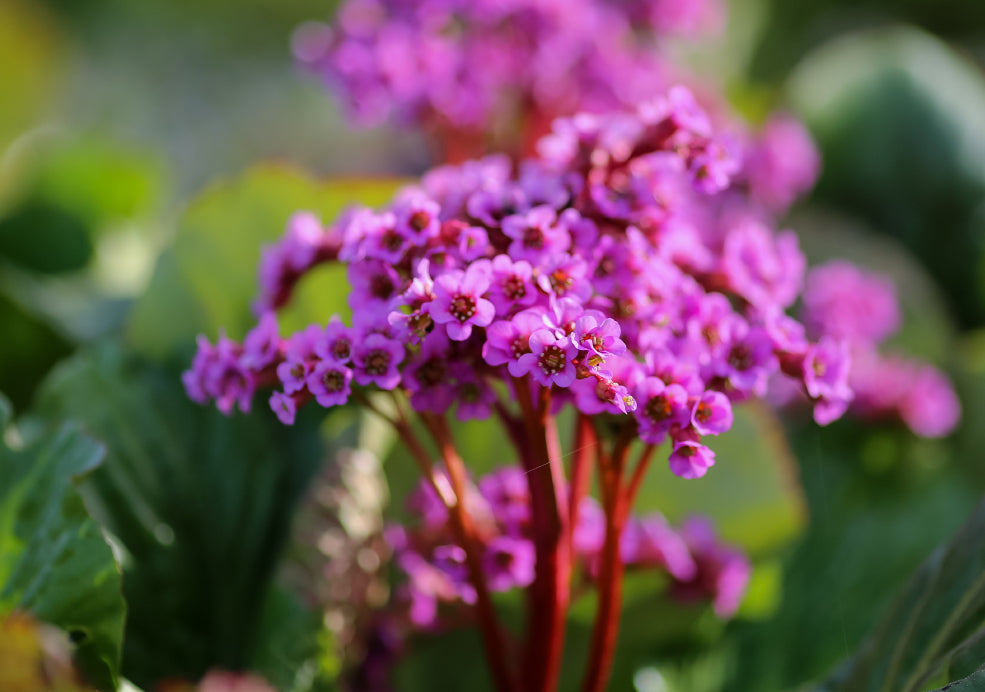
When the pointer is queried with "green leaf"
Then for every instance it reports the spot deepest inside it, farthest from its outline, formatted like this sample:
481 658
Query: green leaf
972 683
207 280
752 492
939 615
295 653
199 504
54 561
897 114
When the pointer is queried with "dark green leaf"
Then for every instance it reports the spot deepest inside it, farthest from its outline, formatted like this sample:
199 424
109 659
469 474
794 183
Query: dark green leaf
200 504
54 562
938 616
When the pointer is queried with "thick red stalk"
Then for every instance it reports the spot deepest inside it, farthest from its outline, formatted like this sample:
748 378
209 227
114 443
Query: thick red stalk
493 635
606 627
551 591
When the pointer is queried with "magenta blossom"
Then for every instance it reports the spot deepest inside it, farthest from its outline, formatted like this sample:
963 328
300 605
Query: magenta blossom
458 302
551 359
376 359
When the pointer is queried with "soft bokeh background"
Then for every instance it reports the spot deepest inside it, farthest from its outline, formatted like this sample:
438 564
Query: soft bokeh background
148 148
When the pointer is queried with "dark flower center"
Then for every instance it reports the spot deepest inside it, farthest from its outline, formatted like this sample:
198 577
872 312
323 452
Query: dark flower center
462 307
740 357
431 372
419 220
342 349
552 360
378 362
381 287
514 287
703 412
391 240
561 281
533 238
658 409
334 381
520 346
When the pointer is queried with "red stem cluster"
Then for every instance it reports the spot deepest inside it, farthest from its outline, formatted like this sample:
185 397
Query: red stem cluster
554 512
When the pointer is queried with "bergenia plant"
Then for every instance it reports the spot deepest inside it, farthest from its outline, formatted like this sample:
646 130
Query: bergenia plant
625 275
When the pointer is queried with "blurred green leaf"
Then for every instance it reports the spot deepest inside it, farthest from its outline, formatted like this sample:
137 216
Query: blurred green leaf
43 237
296 654
752 493
208 278
898 116
28 349
870 525
939 613
199 504
54 562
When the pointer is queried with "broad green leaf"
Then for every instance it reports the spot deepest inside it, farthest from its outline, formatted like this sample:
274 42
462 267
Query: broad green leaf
937 616
54 561
898 116
199 504
208 279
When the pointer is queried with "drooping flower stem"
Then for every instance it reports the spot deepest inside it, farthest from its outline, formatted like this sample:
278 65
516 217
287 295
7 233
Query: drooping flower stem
616 505
551 590
493 635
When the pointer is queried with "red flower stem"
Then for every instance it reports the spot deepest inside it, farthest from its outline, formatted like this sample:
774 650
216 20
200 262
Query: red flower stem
550 592
582 447
493 635
642 464
606 626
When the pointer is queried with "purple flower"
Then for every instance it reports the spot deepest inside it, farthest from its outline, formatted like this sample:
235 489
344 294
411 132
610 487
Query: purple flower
659 407
508 496
376 358
374 285
844 302
284 406
475 396
930 407
563 275
262 344
511 284
458 302
711 413
329 381
417 218
336 343
428 376
508 342
764 269
826 368
690 458
750 361
550 360
536 235
599 338
293 374
508 563
650 541
723 572
783 162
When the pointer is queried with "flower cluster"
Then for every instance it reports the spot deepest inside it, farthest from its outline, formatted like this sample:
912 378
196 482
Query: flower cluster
862 309
482 64
619 271
696 563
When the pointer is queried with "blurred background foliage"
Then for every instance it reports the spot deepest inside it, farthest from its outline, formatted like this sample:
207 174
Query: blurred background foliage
132 210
